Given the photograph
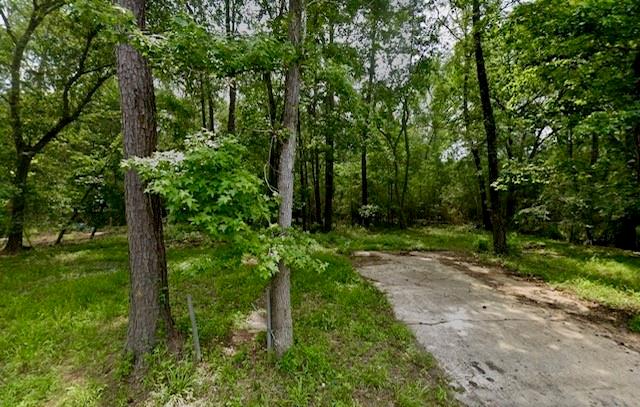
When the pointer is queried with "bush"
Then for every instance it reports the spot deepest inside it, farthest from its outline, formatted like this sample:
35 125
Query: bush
482 245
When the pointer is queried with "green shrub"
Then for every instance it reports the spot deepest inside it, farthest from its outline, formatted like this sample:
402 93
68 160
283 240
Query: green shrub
482 245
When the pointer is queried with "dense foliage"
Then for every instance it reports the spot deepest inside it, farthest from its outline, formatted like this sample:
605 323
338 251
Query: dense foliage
390 117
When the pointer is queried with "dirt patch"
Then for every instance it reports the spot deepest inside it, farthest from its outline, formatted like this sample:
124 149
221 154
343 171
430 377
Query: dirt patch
246 331
364 258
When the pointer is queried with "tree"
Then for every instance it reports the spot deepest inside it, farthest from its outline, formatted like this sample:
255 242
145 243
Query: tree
149 309
60 93
280 296
498 225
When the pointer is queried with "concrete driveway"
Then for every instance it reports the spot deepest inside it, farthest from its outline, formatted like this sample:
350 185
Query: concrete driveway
506 341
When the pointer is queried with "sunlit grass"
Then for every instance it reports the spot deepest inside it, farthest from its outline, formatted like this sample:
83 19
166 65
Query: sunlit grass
63 317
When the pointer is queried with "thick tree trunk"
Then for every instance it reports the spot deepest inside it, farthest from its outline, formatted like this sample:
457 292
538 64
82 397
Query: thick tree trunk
18 204
149 296
497 217
281 324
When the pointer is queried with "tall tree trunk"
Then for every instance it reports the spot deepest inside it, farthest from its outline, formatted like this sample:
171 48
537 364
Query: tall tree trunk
328 166
229 21
316 186
407 158
203 109
475 151
315 164
363 176
18 203
281 324
231 117
212 122
149 311
497 217
486 215
274 147
302 164
369 102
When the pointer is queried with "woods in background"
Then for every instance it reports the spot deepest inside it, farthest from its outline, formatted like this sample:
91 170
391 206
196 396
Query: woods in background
402 120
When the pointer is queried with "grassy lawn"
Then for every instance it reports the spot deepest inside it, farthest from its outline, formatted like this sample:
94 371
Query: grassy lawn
608 276
63 322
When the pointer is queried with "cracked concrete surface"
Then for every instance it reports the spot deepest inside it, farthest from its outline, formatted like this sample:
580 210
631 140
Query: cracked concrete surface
506 341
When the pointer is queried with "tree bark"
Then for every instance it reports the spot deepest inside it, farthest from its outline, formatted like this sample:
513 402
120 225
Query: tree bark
203 108
328 166
25 150
274 147
231 118
229 29
304 180
316 186
486 215
281 324
497 218
407 153
212 122
369 102
18 204
475 151
149 294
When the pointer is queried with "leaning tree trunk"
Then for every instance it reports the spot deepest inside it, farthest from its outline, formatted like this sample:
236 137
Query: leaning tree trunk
18 204
149 310
281 324
497 218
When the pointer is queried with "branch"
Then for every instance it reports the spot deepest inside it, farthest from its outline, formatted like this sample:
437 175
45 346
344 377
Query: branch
79 72
7 26
67 119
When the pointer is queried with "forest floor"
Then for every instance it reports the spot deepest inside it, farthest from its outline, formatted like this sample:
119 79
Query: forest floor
63 316
504 339
63 321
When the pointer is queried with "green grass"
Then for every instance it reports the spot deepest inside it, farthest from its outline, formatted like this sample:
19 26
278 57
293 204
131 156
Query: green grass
608 276
63 323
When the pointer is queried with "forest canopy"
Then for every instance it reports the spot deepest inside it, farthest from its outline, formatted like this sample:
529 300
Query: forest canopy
392 114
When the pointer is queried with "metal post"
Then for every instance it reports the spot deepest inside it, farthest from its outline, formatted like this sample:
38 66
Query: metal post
269 333
194 329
